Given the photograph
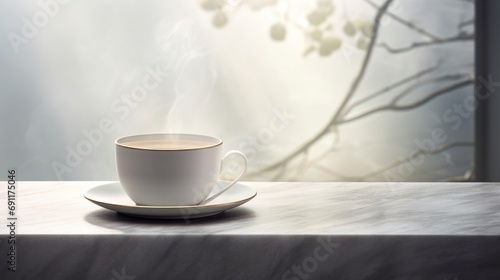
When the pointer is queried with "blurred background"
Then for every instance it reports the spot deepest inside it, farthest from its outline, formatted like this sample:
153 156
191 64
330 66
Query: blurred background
327 90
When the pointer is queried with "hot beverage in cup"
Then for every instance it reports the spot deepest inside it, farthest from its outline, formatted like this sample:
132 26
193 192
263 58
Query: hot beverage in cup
171 169
168 144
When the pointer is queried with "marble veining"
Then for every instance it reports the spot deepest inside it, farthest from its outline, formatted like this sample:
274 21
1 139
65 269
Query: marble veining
282 208
289 231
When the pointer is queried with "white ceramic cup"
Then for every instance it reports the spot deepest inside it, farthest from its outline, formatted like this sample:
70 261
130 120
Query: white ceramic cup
171 177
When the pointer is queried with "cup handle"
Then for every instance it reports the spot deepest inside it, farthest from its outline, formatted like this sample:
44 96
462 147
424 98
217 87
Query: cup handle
245 160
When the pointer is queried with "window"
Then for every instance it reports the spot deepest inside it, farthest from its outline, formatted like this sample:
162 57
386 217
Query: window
316 91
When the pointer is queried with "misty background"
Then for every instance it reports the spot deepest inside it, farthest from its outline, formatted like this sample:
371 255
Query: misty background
93 71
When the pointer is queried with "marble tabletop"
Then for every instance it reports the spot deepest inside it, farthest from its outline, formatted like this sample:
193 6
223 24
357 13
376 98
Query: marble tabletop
288 231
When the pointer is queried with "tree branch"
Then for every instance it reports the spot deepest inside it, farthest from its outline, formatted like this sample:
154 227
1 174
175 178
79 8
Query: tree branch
467 177
352 90
301 168
390 87
429 81
447 89
405 22
466 22
413 46
401 161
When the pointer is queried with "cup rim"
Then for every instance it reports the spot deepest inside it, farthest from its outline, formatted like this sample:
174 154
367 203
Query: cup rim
217 141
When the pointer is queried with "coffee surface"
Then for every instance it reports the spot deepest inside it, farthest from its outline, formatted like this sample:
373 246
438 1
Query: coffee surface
168 144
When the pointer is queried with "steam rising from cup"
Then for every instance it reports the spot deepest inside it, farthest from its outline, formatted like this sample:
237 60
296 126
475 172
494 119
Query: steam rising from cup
195 73
193 88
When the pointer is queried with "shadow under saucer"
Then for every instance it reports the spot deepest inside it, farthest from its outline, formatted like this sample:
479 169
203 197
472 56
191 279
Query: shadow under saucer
123 223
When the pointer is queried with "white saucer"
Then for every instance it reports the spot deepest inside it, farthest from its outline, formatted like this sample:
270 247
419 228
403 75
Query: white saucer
113 197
